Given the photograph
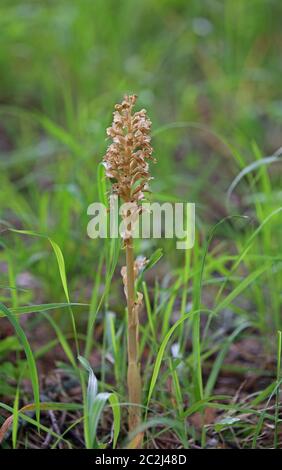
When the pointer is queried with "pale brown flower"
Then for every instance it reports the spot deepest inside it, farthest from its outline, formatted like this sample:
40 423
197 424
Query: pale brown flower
126 159
126 163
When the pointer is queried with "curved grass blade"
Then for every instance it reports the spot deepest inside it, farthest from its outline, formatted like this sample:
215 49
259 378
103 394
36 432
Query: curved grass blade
41 308
94 405
240 288
62 271
58 254
102 185
113 399
62 340
15 418
278 375
164 345
253 166
58 133
31 407
220 358
197 300
263 414
29 356
160 421
193 125
154 258
246 248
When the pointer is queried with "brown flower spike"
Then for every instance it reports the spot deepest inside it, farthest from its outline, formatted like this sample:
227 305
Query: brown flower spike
126 159
126 163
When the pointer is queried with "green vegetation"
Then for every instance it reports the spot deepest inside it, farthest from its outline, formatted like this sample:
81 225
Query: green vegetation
209 74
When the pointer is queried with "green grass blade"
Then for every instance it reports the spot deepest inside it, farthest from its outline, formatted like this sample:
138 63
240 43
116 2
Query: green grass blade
240 288
113 399
29 356
62 339
15 418
42 308
163 347
251 167
278 376
220 358
62 270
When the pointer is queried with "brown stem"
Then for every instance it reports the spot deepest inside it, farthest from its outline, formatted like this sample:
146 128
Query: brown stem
133 372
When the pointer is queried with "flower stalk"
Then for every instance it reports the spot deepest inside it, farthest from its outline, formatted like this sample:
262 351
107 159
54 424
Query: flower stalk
133 372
